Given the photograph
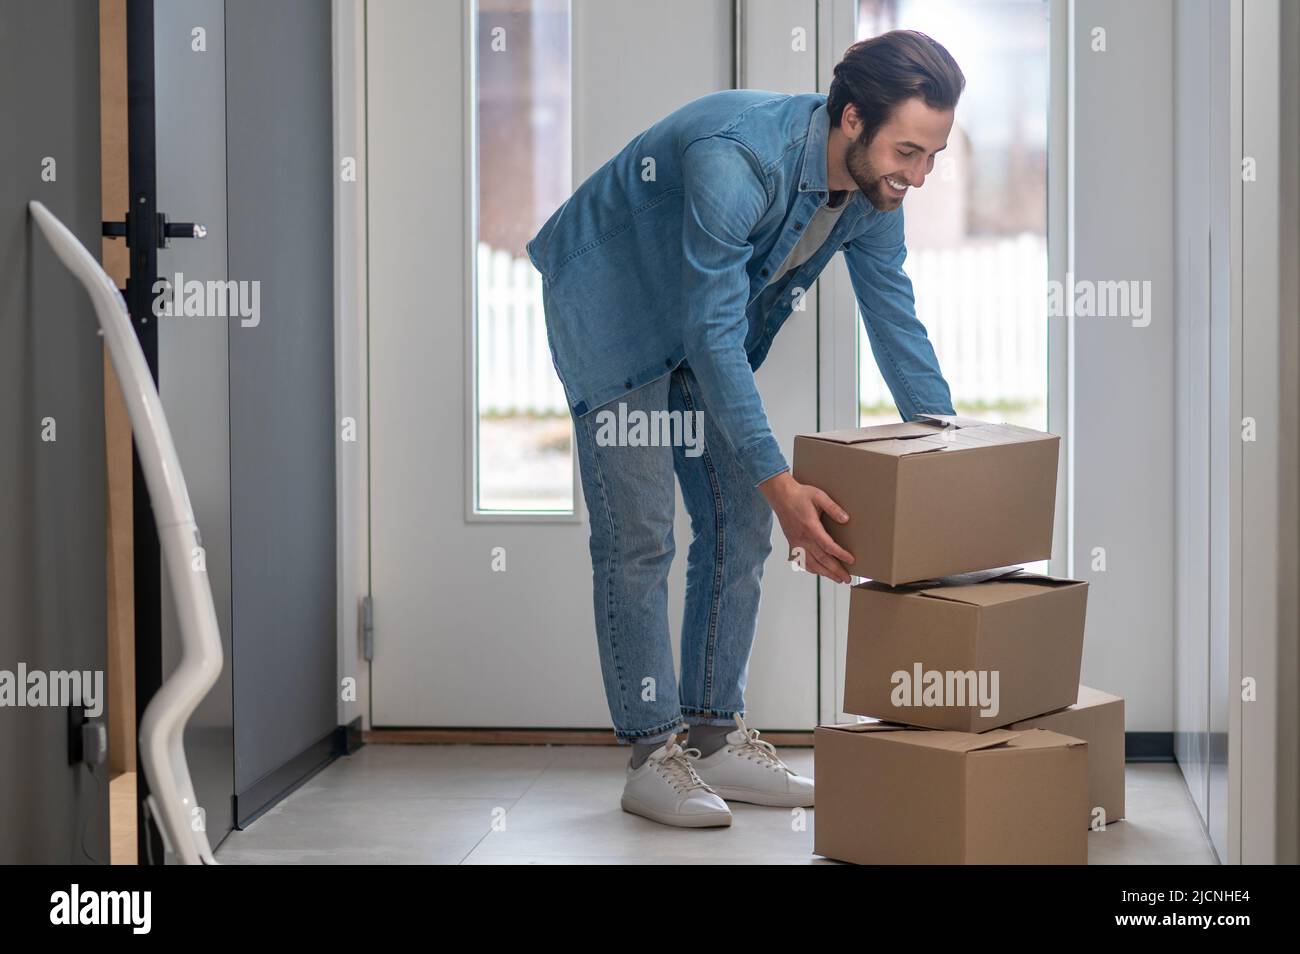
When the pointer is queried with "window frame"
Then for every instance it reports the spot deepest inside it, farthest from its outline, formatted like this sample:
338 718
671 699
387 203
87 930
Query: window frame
473 513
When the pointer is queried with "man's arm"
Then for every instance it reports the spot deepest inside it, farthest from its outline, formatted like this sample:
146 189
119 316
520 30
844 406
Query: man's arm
724 200
899 341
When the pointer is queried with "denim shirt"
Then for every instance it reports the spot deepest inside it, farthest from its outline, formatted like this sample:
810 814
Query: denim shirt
665 255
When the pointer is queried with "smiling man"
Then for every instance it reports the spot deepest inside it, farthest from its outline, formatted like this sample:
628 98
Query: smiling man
665 277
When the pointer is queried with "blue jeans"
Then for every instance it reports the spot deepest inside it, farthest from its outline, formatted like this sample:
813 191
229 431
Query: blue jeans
628 487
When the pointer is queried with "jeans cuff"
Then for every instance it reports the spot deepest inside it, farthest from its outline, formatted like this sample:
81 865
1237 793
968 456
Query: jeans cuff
657 734
711 716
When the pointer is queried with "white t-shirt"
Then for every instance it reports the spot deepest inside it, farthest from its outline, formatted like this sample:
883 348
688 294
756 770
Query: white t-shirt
814 233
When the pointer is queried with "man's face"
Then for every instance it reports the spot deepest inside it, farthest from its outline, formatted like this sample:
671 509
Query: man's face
902 153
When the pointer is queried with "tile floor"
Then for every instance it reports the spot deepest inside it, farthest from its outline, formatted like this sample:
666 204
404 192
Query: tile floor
438 804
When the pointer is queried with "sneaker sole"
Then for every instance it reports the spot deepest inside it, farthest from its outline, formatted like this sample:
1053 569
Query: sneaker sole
709 820
771 799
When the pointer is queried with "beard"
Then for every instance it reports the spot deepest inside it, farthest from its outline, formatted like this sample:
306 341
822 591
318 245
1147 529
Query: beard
868 179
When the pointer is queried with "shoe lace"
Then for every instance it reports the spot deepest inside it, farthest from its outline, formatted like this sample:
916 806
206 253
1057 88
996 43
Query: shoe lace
757 749
676 767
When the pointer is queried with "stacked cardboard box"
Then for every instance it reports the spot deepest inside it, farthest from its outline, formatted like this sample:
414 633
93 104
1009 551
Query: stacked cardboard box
1098 718
965 653
989 750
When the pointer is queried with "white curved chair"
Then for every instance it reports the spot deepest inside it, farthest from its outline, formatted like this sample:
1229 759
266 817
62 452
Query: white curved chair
171 801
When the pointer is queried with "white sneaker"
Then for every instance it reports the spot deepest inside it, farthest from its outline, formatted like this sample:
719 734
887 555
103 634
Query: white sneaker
746 769
666 789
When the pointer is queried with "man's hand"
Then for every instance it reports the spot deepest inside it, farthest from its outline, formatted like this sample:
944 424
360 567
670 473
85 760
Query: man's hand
799 507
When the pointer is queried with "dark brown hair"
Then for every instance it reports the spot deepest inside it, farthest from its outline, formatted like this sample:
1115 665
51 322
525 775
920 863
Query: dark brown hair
876 75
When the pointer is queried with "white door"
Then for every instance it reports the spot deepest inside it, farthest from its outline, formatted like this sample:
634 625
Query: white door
485 620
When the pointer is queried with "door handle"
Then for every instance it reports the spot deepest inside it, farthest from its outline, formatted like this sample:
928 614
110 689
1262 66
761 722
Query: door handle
163 231
182 230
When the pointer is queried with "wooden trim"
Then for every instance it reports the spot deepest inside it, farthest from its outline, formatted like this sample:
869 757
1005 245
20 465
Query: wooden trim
117 425
121 806
115 200
532 737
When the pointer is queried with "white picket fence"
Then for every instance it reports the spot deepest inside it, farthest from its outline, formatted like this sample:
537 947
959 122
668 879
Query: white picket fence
516 375
983 304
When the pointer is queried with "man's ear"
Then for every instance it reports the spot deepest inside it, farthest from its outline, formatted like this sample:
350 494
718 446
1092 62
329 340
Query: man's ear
850 121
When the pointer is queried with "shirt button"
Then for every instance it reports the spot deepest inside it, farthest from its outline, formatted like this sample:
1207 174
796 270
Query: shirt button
763 273
668 362
628 385
798 226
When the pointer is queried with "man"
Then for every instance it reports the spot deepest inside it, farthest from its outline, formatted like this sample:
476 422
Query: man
665 277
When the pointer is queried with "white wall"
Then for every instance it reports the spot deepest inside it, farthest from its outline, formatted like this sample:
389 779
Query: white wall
1123 376
1263 633
1201 247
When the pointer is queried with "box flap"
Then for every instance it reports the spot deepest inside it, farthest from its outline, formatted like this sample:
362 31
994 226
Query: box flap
988 588
952 420
952 741
1043 579
1045 739
984 594
877 432
941 588
961 579
931 738
873 725
961 433
906 447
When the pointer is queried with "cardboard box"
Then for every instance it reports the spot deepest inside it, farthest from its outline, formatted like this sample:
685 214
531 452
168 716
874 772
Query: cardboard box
1097 718
962 655
887 794
936 496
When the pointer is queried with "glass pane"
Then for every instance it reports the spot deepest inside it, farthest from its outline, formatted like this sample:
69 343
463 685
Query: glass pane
977 229
522 96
